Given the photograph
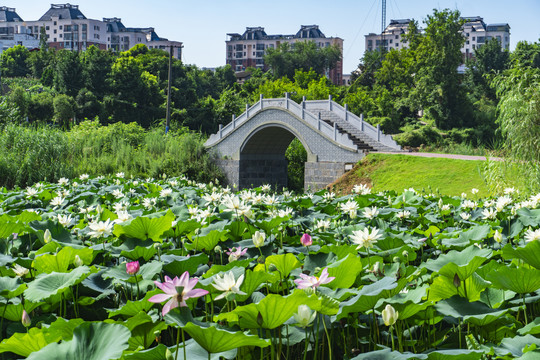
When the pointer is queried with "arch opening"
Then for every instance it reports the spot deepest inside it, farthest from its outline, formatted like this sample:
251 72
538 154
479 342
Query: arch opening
264 158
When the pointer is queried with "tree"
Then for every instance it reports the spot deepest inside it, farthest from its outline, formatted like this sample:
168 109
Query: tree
489 60
302 55
438 54
13 62
369 64
69 76
526 55
63 110
96 68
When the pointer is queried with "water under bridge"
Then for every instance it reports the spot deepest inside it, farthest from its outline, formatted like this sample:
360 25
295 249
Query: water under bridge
252 146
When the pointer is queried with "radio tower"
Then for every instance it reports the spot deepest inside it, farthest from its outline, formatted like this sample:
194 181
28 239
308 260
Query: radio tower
383 26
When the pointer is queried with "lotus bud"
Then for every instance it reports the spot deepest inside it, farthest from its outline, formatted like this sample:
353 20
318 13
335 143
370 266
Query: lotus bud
272 267
306 240
77 261
260 319
304 316
261 259
396 259
258 238
157 246
497 236
47 237
218 249
132 267
25 320
457 281
377 267
389 315
405 254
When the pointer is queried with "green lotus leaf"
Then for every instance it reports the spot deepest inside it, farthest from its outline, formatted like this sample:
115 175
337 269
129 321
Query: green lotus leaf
529 217
324 304
25 344
193 352
91 341
208 241
387 354
253 280
216 340
132 308
407 303
143 329
367 297
182 228
58 232
515 346
533 328
147 271
530 253
476 313
144 227
476 233
14 308
464 263
519 280
284 263
216 269
47 285
444 288
177 265
59 262
272 311
270 225
140 252
345 272
11 287
457 354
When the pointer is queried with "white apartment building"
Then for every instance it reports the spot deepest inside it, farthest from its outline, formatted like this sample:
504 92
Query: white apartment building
475 31
248 49
67 28
13 32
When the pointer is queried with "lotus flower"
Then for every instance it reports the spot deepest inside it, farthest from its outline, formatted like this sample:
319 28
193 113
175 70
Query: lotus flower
258 238
132 267
178 290
25 320
389 315
314 282
304 316
228 285
306 240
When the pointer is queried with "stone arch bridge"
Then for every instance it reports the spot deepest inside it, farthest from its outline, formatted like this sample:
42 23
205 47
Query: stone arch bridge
251 147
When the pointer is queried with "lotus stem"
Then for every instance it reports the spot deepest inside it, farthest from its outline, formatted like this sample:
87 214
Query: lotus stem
327 338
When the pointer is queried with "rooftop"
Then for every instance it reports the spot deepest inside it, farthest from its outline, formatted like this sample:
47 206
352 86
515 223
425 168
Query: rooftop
8 14
63 11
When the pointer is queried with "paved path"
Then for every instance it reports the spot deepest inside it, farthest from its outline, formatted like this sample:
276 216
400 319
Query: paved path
448 156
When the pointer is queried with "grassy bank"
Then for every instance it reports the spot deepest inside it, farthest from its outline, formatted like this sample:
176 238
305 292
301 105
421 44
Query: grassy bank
398 172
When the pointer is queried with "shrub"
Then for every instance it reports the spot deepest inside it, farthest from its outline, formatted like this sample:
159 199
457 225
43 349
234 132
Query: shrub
426 135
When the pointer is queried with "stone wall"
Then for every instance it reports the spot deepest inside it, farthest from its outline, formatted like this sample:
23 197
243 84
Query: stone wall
231 169
257 172
319 174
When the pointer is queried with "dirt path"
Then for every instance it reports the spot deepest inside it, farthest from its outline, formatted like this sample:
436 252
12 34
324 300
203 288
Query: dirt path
435 155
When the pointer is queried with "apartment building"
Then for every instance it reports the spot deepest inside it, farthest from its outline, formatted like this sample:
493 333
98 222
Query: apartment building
68 28
475 31
13 32
248 49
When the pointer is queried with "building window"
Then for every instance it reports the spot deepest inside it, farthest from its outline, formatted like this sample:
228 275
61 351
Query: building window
397 44
54 31
474 38
54 23
397 36
244 46
60 27
47 28
244 53
83 27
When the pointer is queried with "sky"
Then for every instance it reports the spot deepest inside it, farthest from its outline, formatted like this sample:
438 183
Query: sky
202 25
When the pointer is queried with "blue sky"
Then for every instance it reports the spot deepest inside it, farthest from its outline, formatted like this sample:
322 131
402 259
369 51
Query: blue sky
202 25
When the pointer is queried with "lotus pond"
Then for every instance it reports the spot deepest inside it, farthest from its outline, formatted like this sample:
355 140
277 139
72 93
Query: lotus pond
117 268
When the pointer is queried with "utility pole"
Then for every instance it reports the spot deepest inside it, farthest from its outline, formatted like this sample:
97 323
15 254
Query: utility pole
168 121
383 26
168 117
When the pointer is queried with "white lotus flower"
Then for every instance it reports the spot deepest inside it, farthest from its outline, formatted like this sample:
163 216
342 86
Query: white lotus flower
465 216
31 192
266 188
165 192
63 181
304 316
350 207
258 238
84 177
120 175
474 191
489 214
361 189
117 193
100 228
19 270
404 214
371 213
322 224
532 235
57 201
123 216
468 204
65 220
389 315
365 238
228 285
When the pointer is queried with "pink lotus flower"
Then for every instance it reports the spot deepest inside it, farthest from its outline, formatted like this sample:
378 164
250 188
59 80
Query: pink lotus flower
313 281
236 254
306 240
178 290
132 267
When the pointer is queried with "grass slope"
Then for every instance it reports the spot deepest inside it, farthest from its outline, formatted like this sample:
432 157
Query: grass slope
398 172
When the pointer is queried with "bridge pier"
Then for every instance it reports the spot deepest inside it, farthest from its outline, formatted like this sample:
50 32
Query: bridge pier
317 175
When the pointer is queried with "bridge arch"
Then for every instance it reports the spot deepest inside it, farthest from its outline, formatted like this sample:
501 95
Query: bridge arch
252 147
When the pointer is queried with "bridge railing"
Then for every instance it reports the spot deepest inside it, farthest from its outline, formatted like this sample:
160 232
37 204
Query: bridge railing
290 105
358 122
